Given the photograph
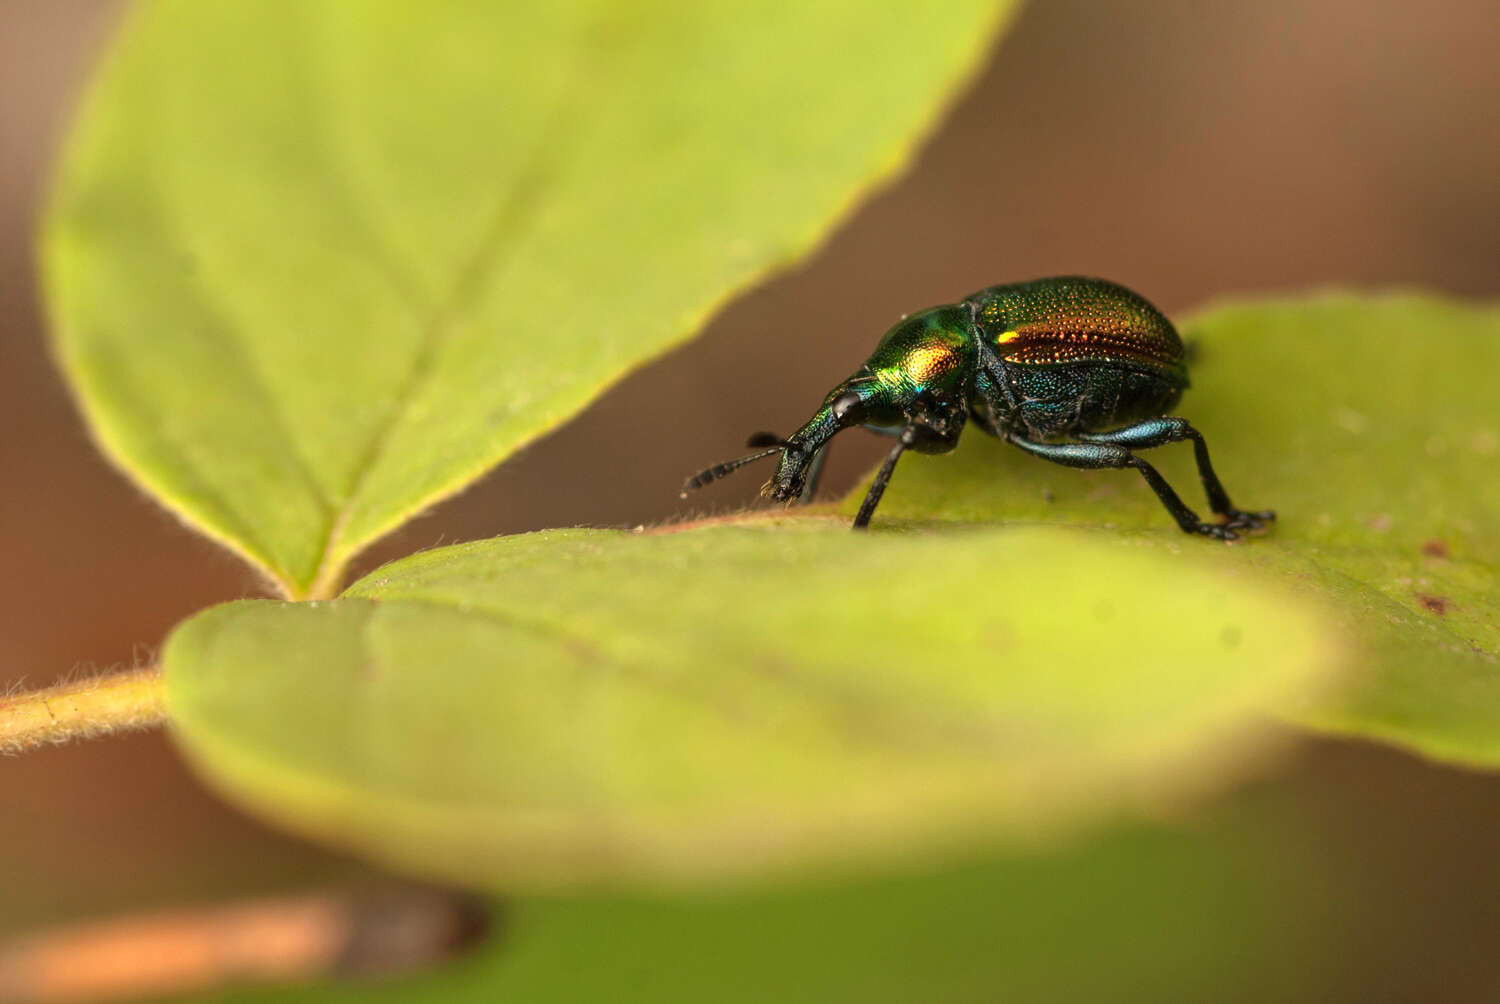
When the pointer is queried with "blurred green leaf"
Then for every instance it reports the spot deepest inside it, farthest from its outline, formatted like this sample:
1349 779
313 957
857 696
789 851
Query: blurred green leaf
600 706
314 266
1234 910
1372 426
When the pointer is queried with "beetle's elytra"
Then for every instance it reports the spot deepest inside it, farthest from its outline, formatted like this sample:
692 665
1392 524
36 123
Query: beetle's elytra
1077 371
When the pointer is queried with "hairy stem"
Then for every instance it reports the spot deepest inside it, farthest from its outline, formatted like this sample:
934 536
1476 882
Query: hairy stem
97 706
104 705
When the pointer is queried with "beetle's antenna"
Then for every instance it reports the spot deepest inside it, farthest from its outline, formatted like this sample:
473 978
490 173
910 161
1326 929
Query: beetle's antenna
718 471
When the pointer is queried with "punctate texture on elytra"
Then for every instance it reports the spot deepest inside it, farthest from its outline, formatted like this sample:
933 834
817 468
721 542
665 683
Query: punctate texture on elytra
586 706
313 266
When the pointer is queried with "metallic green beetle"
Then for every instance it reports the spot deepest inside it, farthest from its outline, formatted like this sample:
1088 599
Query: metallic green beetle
1074 370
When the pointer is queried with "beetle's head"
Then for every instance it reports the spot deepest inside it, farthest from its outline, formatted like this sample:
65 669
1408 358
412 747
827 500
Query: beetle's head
926 355
859 400
854 402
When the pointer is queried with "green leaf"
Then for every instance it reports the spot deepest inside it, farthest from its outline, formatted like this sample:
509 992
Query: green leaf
582 706
1237 910
314 266
1371 425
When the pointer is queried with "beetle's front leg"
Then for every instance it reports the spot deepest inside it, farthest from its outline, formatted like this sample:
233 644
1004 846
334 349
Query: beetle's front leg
930 428
814 475
905 441
1160 432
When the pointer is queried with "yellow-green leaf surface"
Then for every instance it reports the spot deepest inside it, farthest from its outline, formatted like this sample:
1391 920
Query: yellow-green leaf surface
315 265
582 706
1372 426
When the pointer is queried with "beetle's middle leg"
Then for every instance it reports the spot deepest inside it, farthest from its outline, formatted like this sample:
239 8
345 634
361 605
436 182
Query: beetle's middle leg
1160 432
1097 456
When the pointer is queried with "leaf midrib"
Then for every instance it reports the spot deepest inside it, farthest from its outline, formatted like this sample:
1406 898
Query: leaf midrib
502 236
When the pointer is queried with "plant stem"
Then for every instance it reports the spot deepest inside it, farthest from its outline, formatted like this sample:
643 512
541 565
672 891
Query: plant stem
81 709
382 931
104 705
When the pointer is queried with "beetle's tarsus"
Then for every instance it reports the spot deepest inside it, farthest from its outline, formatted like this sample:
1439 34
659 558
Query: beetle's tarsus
1240 519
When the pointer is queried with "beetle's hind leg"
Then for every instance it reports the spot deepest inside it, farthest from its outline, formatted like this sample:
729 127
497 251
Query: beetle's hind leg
1160 432
1098 456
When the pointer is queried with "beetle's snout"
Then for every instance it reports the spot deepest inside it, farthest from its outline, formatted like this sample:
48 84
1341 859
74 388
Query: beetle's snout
791 474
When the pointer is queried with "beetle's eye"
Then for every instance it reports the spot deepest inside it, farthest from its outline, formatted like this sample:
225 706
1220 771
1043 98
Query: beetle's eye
848 405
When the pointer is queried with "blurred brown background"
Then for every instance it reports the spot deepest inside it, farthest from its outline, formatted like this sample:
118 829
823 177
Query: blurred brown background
1190 150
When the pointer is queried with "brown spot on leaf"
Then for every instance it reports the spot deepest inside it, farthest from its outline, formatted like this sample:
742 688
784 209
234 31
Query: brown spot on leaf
1434 604
1435 548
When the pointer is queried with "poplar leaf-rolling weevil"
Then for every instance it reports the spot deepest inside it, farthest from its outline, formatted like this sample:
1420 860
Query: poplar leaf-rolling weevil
1077 371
